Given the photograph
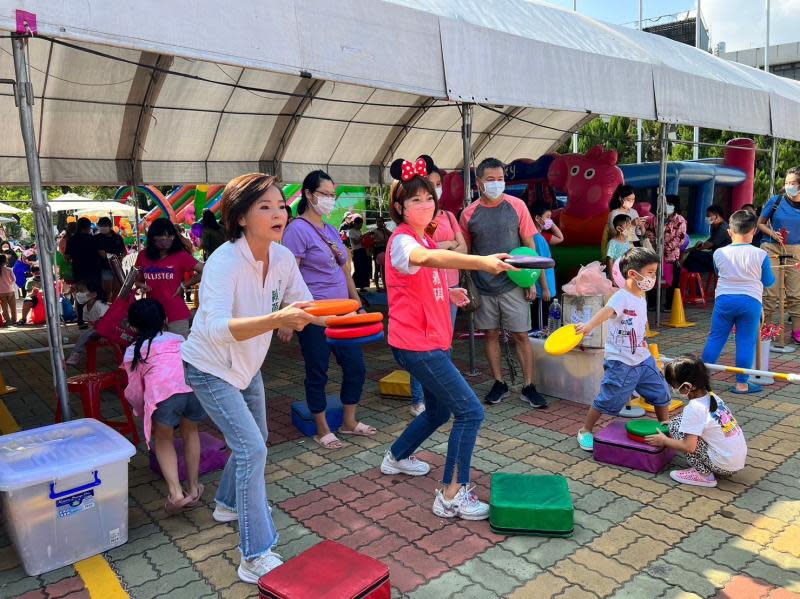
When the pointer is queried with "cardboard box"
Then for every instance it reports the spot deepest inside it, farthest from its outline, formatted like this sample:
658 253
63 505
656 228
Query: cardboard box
581 308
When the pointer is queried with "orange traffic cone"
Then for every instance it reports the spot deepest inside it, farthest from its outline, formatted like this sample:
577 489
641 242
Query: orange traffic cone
677 318
648 333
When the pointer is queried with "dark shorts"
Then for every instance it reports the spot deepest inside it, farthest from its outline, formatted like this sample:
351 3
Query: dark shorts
621 380
181 405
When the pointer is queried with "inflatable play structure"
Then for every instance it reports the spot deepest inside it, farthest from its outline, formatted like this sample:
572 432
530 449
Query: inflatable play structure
589 180
349 198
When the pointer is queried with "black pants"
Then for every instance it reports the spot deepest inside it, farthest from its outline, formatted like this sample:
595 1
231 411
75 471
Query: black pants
362 268
699 261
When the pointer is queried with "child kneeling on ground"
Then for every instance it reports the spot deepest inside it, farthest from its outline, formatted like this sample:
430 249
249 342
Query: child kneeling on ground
628 364
705 431
158 393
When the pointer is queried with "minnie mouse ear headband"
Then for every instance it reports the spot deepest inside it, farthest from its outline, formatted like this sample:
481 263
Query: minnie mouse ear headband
403 170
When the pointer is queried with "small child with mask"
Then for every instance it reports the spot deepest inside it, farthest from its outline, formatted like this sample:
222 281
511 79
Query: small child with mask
628 364
622 203
619 244
548 234
91 296
705 431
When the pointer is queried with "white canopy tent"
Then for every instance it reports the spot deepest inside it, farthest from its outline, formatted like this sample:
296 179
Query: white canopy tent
88 207
290 85
8 209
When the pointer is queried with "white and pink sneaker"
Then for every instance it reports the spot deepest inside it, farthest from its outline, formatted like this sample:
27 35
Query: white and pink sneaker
693 477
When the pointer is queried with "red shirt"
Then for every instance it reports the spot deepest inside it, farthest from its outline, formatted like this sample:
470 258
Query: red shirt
164 276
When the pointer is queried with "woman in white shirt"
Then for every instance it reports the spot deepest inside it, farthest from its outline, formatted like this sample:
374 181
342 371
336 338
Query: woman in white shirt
245 283
622 203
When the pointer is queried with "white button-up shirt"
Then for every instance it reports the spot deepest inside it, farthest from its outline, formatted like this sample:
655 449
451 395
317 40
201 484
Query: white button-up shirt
230 288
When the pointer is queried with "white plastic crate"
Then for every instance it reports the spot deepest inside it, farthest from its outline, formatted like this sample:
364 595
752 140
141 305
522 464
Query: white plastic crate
65 492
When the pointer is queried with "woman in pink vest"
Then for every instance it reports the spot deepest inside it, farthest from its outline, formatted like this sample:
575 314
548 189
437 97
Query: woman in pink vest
420 334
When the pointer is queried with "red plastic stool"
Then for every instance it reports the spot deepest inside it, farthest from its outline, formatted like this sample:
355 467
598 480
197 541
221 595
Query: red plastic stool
692 288
91 352
90 387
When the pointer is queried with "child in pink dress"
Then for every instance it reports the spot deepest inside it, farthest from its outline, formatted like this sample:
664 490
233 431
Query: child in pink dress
159 394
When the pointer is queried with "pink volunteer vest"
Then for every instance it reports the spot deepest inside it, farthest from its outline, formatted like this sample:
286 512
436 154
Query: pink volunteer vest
419 304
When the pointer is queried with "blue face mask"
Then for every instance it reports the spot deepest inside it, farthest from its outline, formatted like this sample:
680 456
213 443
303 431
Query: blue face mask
791 190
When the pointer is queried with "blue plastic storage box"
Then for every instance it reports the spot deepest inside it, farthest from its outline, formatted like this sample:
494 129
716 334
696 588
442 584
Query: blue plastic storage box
64 492
304 420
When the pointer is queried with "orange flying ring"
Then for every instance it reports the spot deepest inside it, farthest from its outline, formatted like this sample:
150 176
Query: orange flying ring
357 319
332 307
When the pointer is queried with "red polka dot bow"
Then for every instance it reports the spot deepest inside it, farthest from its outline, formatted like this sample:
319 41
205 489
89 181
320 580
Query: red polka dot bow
410 170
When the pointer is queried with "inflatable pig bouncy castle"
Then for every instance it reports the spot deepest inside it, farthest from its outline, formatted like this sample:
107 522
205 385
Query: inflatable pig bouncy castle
589 181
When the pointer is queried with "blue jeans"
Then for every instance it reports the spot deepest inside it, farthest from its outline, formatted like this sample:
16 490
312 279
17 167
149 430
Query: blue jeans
446 392
416 387
316 353
743 312
242 418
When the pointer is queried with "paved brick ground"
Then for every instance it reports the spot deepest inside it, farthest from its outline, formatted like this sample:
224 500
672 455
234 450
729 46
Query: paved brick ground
637 535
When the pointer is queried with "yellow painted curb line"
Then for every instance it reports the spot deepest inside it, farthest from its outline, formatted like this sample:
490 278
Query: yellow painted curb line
100 580
98 577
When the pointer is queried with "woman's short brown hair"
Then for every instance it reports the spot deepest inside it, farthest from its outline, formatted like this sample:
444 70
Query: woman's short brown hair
402 190
240 193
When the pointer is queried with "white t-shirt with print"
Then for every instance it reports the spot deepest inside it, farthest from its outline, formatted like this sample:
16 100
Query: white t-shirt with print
727 447
626 329
402 246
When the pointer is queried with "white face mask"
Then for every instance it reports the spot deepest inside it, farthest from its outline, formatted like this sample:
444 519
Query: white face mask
670 209
684 389
439 192
791 190
324 205
645 283
83 297
709 220
494 189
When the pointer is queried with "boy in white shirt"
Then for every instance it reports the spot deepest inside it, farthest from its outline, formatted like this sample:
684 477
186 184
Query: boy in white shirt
628 364
743 270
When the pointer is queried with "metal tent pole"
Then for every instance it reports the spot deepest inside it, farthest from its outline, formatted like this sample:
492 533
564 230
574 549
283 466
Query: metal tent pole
23 95
696 130
773 162
639 121
466 139
660 214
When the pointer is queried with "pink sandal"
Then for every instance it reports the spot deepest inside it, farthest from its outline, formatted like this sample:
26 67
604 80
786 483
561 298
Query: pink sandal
361 429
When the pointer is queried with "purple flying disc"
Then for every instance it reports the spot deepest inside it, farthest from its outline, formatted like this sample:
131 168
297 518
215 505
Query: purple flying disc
523 261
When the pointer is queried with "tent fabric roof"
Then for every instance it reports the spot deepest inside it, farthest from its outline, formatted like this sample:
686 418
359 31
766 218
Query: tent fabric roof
292 85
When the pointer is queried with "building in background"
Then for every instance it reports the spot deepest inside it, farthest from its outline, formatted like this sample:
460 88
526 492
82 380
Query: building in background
784 59
682 29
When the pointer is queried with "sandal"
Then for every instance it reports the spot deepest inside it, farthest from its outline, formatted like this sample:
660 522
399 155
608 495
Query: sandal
751 388
329 441
176 507
361 429
197 498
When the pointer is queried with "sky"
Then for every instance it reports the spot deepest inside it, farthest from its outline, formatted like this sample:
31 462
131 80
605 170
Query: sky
741 24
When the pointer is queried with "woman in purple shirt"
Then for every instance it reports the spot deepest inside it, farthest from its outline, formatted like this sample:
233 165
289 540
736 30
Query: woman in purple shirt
326 269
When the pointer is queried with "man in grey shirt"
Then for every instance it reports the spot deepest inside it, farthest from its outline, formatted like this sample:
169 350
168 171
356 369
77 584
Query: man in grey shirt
498 223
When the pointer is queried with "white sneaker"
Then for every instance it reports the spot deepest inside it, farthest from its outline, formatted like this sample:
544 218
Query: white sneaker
465 505
75 359
411 465
251 570
417 408
223 514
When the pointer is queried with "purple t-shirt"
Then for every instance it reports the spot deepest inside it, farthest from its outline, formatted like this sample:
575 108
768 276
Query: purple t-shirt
318 266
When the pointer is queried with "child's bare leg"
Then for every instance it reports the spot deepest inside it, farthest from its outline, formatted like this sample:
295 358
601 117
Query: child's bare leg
167 459
191 453
592 417
662 413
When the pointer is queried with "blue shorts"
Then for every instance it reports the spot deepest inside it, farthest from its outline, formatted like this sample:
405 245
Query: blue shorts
621 380
181 405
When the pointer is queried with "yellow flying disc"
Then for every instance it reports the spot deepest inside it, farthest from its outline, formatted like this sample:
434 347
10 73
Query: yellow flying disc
562 340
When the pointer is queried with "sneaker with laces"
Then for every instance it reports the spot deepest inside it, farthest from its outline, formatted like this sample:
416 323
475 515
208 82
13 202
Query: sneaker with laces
223 514
531 396
691 476
417 408
253 569
410 465
585 440
497 393
465 505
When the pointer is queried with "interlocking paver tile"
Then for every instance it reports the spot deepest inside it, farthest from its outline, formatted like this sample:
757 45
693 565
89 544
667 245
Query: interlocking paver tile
637 535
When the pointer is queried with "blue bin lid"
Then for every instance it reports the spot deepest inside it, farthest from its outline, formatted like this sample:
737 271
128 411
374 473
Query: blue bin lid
58 451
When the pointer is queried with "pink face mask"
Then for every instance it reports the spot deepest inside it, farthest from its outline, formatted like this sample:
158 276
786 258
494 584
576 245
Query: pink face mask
418 215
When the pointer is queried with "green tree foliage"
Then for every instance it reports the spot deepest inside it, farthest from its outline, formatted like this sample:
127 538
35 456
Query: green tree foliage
619 133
